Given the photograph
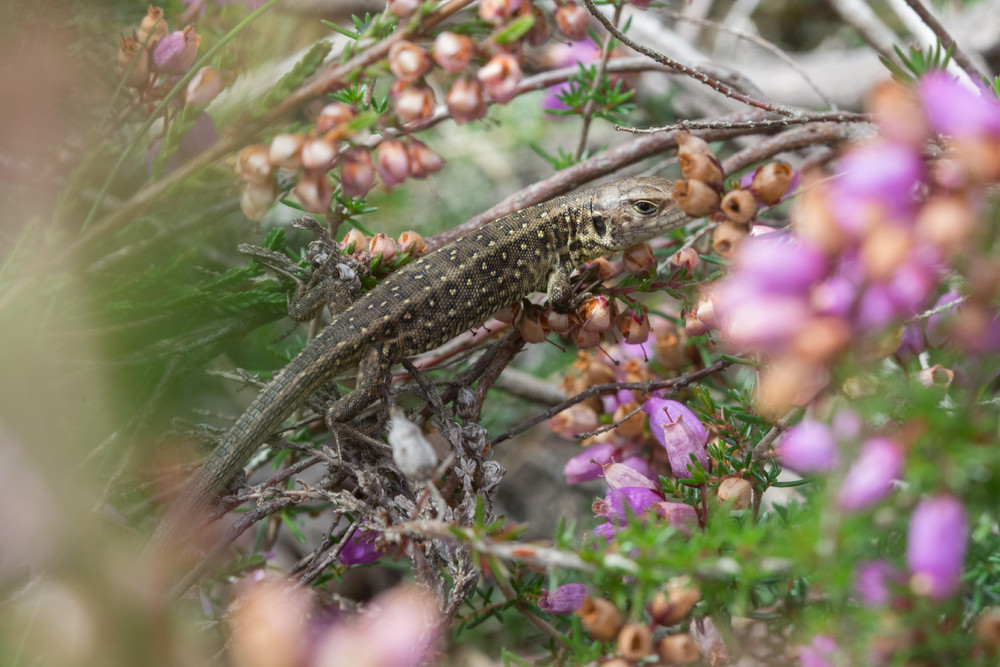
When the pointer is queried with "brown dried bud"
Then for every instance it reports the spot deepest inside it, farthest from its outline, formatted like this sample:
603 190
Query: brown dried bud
357 172
635 641
786 382
694 326
635 371
596 313
540 30
497 11
412 243
508 313
256 199
355 237
979 156
987 629
531 328
314 191
465 100
727 237
813 215
318 154
897 112
603 268
739 206
634 327
593 370
285 151
403 8
677 649
381 244
638 259
692 145
203 87
884 249
584 339
128 50
413 103
392 162
332 116
670 344
500 77
820 339
453 52
946 222
407 61
571 20
737 490
696 198
423 161
616 662
600 618
154 26
936 375
253 164
558 322
687 258
577 418
700 167
771 182
673 605
629 427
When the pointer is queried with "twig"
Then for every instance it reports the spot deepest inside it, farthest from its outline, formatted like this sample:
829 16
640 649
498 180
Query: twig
663 59
762 124
588 108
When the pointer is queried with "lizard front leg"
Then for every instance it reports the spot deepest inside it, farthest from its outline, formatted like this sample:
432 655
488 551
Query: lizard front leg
372 371
560 291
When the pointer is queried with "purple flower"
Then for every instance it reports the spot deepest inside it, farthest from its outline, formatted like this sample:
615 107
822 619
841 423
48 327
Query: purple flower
809 447
760 319
777 263
870 477
679 431
587 465
871 582
360 549
564 600
176 52
640 465
623 476
819 653
935 547
619 504
876 180
951 108
911 343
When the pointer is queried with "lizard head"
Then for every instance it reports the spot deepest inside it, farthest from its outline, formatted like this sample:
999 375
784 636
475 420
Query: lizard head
628 211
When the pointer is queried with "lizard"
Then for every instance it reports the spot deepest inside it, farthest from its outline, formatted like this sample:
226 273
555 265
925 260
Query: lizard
430 300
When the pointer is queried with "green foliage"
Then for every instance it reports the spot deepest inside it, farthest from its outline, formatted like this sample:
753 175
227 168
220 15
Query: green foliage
916 64
301 71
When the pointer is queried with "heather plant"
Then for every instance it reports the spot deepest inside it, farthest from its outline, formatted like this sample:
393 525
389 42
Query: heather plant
767 438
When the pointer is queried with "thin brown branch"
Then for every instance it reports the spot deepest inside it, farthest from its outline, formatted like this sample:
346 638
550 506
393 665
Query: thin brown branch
602 65
763 124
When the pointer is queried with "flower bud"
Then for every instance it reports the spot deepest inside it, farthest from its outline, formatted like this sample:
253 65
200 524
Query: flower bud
739 206
177 51
393 162
571 20
500 77
870 477
412 452
382 245
987 630
638 259
333 115
677 649
423 161
356 238
700 167
635 641
407 61
564 600
884 249
596 314
696 198
357 172
936 375
694 326
771 182
286 151
128 50
412 242
946 222
153 26
634 327
705 311
676 603
465 100
318 154
253 164
584 339
687 258
577 418
531 328
727 237
203 87
588 464
498 12
692 145
786 382
809 447
935 546
414 103
631 426
314 191
558 322
403 8
679 432
452 52
820 339
256 199
540 30
604 268
600 618
736 490
897 113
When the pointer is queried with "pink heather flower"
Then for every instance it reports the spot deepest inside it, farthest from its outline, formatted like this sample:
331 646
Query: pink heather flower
621 476
357 172
620 504
392 162
679 431
500 77
176 52
809 447
779 263
876 180
870 477
589 463
564 600
360 549
871 582
819 653
640 465
563 55
935 546
953 109
759 319
834 296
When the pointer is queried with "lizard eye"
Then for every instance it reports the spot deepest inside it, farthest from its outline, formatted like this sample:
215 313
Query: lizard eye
644 206
599 225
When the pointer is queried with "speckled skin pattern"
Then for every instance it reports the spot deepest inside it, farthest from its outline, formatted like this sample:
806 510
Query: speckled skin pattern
435 298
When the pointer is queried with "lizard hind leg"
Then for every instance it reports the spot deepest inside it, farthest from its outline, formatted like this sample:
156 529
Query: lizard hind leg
373 368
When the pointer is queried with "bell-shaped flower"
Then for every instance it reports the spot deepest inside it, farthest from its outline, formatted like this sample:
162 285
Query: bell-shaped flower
870 477
935 546
564 600
809 447
679 431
